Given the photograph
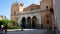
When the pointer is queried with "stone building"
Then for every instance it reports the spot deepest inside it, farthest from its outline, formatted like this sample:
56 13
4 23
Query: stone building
56 6
2 17
34 16
45 6
14 11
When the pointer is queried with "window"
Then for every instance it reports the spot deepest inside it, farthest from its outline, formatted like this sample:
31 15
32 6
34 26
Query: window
46 7
47 21
51 10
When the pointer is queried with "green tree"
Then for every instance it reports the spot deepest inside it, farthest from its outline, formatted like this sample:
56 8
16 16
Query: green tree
14 23
8 23
4 22
1 22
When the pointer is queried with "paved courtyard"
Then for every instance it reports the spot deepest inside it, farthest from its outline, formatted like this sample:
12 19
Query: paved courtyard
34 31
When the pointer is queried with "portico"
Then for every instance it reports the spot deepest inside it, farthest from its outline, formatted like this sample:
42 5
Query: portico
30 19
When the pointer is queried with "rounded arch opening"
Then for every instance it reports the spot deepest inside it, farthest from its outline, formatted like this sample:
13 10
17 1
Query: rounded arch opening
28 22
34 22
23 25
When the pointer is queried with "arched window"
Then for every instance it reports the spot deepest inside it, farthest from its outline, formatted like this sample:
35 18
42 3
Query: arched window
51 10
47 21
46 7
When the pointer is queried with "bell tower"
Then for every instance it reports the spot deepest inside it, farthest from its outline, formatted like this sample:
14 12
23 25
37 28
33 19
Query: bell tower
45 6
14 11
21 7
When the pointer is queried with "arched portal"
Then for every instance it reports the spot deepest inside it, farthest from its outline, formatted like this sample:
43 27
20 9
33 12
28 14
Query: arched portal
28 22
34 22
23 25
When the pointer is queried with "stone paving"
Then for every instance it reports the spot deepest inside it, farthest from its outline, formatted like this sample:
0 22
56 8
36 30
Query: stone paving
34 31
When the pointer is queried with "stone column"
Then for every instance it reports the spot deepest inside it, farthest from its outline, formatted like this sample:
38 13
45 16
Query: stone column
26 22
31 22
19 22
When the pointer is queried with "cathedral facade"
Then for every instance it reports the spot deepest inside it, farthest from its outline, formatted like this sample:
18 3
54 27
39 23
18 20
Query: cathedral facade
34 16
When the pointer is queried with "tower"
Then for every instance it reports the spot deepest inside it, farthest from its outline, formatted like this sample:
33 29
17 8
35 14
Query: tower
45 6
14 11
21 7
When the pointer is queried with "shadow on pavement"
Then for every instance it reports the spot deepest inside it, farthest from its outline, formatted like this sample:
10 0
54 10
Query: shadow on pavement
49 32
57 32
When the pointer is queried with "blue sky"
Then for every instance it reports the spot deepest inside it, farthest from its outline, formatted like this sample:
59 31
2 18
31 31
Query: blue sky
5 6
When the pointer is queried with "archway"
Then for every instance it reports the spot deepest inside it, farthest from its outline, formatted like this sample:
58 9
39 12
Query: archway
29 22
34 22
23 25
